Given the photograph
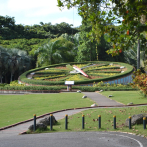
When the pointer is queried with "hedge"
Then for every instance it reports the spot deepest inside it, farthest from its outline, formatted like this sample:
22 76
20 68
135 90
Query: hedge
30 88
58 88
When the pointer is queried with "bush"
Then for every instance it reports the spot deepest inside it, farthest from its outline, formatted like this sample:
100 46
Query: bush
15 83
140 81
2 85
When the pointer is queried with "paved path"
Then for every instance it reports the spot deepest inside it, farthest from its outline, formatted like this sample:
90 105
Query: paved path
101 100
10 137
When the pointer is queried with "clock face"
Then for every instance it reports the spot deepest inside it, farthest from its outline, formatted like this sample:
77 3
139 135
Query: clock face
78 72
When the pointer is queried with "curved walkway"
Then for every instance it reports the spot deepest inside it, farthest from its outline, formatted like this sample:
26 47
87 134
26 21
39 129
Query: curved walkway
101 100
10 137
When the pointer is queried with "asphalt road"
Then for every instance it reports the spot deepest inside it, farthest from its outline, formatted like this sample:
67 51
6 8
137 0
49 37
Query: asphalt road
75 139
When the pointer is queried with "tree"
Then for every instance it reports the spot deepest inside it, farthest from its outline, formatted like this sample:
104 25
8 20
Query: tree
102 12
87 50
10 30
75 40
3 62
13 62
50 53
18 61
131 54
92 50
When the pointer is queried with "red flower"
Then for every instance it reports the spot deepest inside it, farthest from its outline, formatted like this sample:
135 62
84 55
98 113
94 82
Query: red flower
120 50
127 32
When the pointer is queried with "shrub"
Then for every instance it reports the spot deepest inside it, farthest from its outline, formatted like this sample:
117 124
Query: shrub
15 83
140 81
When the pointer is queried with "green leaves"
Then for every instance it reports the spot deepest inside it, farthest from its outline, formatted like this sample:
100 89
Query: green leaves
131 11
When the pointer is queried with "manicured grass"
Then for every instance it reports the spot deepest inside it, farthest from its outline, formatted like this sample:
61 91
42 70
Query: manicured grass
16 108
91 122
126 97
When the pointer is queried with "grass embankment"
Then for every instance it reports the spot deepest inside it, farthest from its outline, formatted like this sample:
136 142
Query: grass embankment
16 108
91 122
126 97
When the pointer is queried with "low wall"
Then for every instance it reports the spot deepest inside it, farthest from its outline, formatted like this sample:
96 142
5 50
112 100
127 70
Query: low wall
122 80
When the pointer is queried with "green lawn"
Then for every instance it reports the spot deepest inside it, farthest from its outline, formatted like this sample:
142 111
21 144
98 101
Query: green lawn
91 122
126 97
16 108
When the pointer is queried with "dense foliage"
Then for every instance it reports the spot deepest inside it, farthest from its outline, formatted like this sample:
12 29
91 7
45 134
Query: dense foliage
10 30
102 13
91 50
140 81
13 62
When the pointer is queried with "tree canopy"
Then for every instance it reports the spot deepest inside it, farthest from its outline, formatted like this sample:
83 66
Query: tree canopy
10 30
130 15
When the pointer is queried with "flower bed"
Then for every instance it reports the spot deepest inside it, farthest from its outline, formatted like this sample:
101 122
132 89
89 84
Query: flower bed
58 74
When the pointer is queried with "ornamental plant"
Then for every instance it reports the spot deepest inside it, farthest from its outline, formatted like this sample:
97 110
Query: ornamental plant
140 81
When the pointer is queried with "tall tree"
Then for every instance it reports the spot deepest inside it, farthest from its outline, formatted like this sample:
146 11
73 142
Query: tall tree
3 62
49 53
101 12
15 60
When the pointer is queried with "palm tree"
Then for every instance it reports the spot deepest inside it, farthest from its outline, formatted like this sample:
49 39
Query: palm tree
75 39
131 54
18 61
25 62
3 61
50 53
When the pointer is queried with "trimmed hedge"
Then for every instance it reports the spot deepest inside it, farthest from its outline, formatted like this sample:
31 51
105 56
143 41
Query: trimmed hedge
104 88
40 82
30 88
58 88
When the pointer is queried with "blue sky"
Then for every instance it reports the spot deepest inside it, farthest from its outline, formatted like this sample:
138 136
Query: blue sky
30 12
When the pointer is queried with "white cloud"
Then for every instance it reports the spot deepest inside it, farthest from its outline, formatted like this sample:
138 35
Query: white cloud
29 12
19 5
34 7
43 12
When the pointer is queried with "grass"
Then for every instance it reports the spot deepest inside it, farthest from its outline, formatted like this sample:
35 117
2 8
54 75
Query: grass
126 97
91 122
16 108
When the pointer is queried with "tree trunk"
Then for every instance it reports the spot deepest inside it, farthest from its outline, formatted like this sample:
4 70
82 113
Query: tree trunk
138 54
1 79
11 77
51 60
90 52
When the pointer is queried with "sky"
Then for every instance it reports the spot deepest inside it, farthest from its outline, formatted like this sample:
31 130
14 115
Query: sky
30 12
